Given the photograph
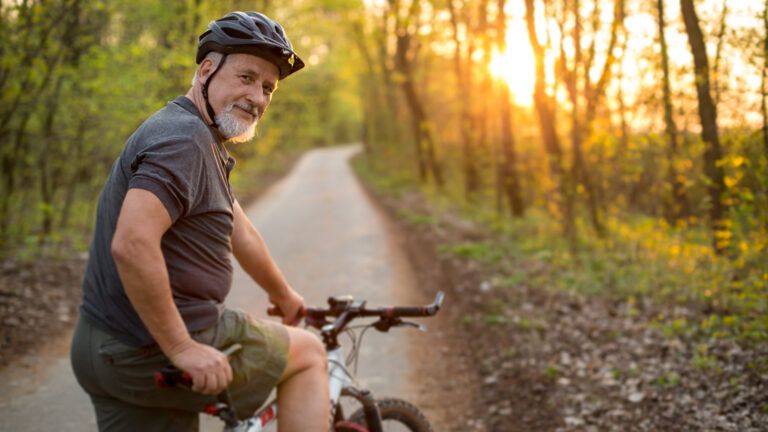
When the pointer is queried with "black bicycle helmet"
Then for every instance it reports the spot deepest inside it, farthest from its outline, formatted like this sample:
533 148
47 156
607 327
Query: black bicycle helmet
250 33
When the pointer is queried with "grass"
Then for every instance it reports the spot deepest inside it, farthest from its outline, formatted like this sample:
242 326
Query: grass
552 372
417 218
668 379
483 252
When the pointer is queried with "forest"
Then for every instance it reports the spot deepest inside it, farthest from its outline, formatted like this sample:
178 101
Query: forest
624 143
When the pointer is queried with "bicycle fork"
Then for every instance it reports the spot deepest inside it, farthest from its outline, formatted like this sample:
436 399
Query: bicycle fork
340 384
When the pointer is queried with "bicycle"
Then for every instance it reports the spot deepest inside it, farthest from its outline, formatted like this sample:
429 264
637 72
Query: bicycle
380 415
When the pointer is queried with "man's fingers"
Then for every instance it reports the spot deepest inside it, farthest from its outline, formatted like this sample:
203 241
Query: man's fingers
209 367
198 382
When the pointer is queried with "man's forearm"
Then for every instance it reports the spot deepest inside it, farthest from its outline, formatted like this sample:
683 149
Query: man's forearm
253 255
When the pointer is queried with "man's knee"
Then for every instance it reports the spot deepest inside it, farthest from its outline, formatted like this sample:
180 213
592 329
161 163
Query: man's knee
305 350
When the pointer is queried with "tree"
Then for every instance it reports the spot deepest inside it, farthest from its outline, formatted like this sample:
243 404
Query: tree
676 203
406 29
764 80
545 110
586 96
708 116
463 68
508 164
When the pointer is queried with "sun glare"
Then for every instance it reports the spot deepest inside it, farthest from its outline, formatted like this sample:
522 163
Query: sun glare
516 65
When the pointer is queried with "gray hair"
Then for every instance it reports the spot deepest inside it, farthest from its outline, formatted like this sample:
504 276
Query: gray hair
213 56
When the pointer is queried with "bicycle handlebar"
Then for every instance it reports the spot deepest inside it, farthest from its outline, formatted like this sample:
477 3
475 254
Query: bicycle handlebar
340 305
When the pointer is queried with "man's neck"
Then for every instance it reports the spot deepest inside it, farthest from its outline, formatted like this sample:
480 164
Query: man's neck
195 94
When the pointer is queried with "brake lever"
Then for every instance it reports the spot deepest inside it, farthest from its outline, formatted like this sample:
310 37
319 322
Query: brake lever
417 326
383 325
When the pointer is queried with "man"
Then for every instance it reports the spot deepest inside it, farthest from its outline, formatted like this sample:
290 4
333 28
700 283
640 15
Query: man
159 266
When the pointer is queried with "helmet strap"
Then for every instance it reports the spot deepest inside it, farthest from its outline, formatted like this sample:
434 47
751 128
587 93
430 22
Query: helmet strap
208 106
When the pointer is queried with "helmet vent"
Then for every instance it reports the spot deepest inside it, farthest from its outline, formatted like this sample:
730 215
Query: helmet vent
237 34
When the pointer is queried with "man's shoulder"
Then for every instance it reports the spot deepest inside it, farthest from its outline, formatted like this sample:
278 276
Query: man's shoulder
174 122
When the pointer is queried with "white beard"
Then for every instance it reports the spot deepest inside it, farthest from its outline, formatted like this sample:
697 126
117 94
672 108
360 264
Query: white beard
234 129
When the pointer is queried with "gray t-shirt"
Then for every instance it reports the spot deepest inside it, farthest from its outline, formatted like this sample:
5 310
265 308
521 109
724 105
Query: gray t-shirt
181 160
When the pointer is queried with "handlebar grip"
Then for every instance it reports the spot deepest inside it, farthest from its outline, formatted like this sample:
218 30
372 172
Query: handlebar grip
276 312
416 311
407 311
171 376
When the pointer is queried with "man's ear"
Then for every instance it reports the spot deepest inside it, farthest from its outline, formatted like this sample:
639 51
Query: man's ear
204 70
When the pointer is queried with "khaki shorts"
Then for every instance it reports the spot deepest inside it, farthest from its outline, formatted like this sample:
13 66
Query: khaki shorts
119 377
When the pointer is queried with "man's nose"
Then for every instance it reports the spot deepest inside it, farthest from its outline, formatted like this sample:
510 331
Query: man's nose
258 99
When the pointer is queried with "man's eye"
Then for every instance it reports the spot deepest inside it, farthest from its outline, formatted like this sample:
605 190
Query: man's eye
269 90
246 79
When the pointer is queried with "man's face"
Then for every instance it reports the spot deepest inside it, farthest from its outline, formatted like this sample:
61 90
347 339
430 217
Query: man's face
240 93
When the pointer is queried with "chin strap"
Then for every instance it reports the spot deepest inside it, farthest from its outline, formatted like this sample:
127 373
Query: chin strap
208 106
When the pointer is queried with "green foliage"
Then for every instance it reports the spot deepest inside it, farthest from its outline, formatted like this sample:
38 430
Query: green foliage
705 362
668 379
482 252
417 218
495 319
552 372
78 77
639 256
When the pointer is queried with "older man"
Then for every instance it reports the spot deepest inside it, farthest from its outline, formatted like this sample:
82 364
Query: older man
159 267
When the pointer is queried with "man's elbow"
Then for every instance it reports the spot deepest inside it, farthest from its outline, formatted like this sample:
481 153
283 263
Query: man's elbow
126 247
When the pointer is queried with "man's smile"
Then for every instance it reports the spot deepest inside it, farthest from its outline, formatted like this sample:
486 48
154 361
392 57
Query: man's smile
251 115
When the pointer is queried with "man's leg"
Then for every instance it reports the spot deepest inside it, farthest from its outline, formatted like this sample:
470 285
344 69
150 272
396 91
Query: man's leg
116 416
302 394
123 399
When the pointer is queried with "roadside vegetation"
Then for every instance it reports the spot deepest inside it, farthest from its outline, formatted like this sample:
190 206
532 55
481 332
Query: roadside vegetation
624 335
625 171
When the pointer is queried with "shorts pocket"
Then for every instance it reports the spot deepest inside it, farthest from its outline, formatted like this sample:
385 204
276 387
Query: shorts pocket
116 353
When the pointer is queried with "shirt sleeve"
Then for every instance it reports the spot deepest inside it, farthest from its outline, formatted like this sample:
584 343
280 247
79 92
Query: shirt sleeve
172 170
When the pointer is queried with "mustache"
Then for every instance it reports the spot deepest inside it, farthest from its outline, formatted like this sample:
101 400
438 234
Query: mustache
250 109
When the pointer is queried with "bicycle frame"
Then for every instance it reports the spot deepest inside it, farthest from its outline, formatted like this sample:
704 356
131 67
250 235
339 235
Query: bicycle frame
339 380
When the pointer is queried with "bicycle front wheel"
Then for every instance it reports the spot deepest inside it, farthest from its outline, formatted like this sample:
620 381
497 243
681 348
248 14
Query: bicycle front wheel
397 415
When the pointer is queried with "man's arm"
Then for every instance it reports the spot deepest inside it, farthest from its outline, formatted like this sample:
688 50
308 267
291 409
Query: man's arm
251 252
136 250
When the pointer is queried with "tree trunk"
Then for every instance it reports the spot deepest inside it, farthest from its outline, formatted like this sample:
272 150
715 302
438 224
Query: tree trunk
677 205
485 82
425 146
708 115
467 121
508 172
11 163
718 53
48 185
578 83
618 185
369 89
72 180
764 86
545 111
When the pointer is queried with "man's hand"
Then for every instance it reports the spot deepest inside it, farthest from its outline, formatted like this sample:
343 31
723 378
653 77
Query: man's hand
290 304
209 367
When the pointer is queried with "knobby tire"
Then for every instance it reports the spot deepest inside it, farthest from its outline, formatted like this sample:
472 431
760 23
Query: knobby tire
397 410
